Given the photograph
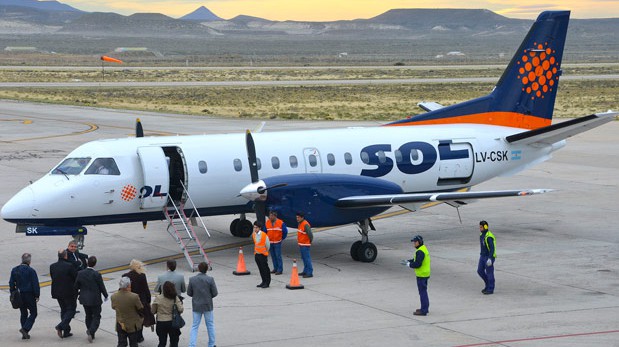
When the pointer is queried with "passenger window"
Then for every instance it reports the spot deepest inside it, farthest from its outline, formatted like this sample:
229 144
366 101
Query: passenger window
331 159
347 158
202 166
398 156
238 166
71 166
382 158
365 157
275 162
312 160
293 161
103 166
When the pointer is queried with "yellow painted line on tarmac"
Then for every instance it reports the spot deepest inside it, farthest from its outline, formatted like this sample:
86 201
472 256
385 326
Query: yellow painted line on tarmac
91 128
210 250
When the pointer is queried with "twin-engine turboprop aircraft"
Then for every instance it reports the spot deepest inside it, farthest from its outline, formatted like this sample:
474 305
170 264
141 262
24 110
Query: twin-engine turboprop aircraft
334 176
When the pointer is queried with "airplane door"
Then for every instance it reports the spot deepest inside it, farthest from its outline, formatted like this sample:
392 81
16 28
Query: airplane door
456 163
154 193
313 164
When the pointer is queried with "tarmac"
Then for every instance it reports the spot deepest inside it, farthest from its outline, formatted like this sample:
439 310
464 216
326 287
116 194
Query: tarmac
557 269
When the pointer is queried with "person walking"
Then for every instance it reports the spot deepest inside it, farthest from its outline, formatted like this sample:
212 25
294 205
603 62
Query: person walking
304 239
202 289
25 279
162 307
129 310
421 264
89 286
63 275
261 254
139 286
79 260
171 275
487 257
277 232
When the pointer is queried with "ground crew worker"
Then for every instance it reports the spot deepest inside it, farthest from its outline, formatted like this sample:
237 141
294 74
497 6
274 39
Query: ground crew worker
421 264
277 232
261 254
487 256
304 239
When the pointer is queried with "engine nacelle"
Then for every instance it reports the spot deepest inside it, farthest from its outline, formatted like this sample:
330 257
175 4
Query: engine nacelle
316 194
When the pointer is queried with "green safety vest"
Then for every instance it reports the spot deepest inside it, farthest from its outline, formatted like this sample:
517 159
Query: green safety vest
424 269
489 234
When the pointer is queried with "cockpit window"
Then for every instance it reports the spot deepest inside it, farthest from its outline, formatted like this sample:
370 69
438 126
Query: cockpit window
103 166
71 166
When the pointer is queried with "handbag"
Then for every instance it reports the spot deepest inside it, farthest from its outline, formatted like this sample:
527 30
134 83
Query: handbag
15 299
177 320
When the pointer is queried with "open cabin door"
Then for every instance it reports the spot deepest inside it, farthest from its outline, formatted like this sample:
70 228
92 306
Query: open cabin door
154 193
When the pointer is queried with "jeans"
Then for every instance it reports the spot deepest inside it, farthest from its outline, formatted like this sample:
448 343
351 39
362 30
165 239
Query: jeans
28 305
422 286
307 260
486 273
276 256
210 327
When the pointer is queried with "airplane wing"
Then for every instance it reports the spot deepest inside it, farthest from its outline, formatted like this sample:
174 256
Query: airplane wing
452 198
560 131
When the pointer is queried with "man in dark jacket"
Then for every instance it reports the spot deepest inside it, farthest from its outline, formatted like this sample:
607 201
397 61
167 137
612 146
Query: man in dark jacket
90 287
79 260
25 279
202 289
63 275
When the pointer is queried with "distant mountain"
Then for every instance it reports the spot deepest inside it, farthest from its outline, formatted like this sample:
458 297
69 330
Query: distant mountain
40 5
202 14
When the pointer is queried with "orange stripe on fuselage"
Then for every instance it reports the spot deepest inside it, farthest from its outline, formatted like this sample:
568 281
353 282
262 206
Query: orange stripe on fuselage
507 119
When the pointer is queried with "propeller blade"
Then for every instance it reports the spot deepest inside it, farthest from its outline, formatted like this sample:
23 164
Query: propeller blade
251 156
261 210
261 190
139 132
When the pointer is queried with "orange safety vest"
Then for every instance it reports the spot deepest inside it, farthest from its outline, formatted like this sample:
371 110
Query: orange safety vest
302 237
260 245
274 230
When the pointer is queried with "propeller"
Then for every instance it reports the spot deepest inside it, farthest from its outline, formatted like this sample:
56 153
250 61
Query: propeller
139 132
257 185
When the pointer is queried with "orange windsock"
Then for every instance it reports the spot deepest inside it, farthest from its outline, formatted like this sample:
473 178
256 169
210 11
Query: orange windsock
110 59
294 277
240 265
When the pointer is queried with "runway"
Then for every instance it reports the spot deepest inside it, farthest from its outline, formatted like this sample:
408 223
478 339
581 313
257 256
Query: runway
557 268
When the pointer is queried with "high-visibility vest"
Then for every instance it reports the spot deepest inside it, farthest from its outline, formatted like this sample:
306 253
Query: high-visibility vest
302 237
260 243
424 269
489 234
274 230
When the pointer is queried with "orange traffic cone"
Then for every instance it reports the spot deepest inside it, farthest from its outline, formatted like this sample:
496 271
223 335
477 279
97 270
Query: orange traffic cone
294 277
240 265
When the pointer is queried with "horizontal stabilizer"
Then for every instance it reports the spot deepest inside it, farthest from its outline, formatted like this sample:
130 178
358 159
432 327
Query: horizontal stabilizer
459 197
561 131
430 105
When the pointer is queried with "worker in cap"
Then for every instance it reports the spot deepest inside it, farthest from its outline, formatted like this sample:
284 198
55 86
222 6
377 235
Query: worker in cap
487 257
421 264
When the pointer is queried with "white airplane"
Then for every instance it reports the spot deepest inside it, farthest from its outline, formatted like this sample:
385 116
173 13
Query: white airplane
335 176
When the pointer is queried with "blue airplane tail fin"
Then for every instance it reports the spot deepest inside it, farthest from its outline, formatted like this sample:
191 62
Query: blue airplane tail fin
524 96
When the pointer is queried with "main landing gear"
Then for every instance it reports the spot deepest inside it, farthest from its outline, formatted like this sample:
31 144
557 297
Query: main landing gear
241 227
364 250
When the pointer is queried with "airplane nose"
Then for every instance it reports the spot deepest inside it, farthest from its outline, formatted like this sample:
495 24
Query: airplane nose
19 206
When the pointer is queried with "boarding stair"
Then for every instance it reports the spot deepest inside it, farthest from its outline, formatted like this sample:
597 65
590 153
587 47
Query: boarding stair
182 228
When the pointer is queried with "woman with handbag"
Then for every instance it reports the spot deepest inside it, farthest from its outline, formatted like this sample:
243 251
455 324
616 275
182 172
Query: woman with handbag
168 308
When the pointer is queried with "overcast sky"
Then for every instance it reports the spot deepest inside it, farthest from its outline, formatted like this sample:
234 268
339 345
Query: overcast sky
329 10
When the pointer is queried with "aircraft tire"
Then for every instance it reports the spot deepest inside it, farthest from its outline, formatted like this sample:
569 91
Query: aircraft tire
354 250
233 226
367 252
244 228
